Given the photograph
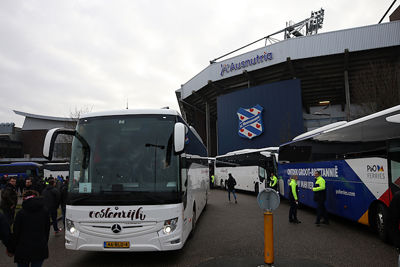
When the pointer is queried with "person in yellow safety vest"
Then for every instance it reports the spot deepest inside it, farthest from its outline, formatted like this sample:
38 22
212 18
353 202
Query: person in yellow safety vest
212 181
273 182
293 199
320 197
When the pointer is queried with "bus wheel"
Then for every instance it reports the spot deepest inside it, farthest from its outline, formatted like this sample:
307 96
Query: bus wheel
256 188
380 221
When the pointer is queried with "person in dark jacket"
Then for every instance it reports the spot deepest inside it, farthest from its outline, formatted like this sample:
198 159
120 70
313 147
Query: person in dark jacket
64 195
9 200
4 229
28 184
52 200
29 241
3 181
231 187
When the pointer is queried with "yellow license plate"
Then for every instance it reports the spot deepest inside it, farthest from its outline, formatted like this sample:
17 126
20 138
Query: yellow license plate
117 244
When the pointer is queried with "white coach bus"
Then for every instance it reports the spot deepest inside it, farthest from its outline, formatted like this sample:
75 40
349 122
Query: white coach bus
251 168
138 181
56 169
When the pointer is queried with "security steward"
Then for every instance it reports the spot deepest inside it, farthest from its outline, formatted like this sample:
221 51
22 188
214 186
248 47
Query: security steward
293 199
320 197
273 182
212 181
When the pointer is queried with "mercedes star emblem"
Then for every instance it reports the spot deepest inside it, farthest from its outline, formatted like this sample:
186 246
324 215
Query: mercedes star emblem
116 228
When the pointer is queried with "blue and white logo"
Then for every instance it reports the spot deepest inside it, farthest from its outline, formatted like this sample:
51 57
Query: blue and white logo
250 122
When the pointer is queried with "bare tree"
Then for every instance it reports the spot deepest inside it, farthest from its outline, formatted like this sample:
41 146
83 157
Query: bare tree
377 87
76 113
63 143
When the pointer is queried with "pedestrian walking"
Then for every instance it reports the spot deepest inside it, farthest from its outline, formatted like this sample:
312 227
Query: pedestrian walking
231 187
293 199
29 241
212 181
273 183
52 201
9 200
320 197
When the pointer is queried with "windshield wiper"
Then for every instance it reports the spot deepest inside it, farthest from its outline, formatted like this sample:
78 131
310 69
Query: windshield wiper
154 145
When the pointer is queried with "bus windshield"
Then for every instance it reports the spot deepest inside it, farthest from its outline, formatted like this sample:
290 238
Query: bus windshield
131 161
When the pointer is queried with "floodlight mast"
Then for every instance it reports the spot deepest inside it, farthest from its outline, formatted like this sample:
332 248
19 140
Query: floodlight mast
292 30
312 24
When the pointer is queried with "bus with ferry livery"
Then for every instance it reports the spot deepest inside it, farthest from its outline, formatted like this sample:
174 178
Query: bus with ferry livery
360 162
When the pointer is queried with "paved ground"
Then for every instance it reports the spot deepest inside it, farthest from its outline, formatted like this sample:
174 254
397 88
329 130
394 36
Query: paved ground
231 234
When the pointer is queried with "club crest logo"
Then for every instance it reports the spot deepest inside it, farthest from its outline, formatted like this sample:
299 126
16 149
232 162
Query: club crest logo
250 122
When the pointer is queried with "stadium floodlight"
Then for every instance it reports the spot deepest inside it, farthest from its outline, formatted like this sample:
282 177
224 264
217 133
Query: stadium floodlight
292 30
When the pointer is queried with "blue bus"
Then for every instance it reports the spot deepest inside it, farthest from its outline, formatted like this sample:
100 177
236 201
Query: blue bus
19 170
360 162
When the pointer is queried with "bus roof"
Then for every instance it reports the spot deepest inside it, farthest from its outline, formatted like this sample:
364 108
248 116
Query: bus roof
22 164
379 126
319 130
374 127
247 151
131 112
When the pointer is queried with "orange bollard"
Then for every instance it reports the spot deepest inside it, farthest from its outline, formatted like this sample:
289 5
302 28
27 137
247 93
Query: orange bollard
268 237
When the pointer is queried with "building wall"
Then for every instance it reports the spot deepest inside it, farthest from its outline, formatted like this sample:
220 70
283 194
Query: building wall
282 115
10 148
33 141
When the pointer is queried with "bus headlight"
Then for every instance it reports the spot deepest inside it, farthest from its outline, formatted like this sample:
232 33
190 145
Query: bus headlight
70 226
170 225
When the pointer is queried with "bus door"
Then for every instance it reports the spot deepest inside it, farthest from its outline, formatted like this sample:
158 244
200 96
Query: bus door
262 177
394 166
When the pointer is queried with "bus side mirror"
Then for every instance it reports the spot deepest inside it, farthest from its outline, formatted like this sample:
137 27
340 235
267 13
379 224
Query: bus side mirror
51 136
179 137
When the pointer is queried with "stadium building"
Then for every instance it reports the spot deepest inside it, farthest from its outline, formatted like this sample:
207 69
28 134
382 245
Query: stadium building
267 96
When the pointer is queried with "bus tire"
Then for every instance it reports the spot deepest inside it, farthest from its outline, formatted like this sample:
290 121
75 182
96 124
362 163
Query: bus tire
256 188
379 221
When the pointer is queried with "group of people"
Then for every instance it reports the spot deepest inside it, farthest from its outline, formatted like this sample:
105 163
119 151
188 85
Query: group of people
319 196
26 234
319 190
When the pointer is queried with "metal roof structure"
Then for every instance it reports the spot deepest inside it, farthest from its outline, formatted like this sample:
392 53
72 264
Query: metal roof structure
319 61
43 117
41 122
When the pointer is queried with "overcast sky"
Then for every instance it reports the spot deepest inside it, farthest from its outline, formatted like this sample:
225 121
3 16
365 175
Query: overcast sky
60 56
